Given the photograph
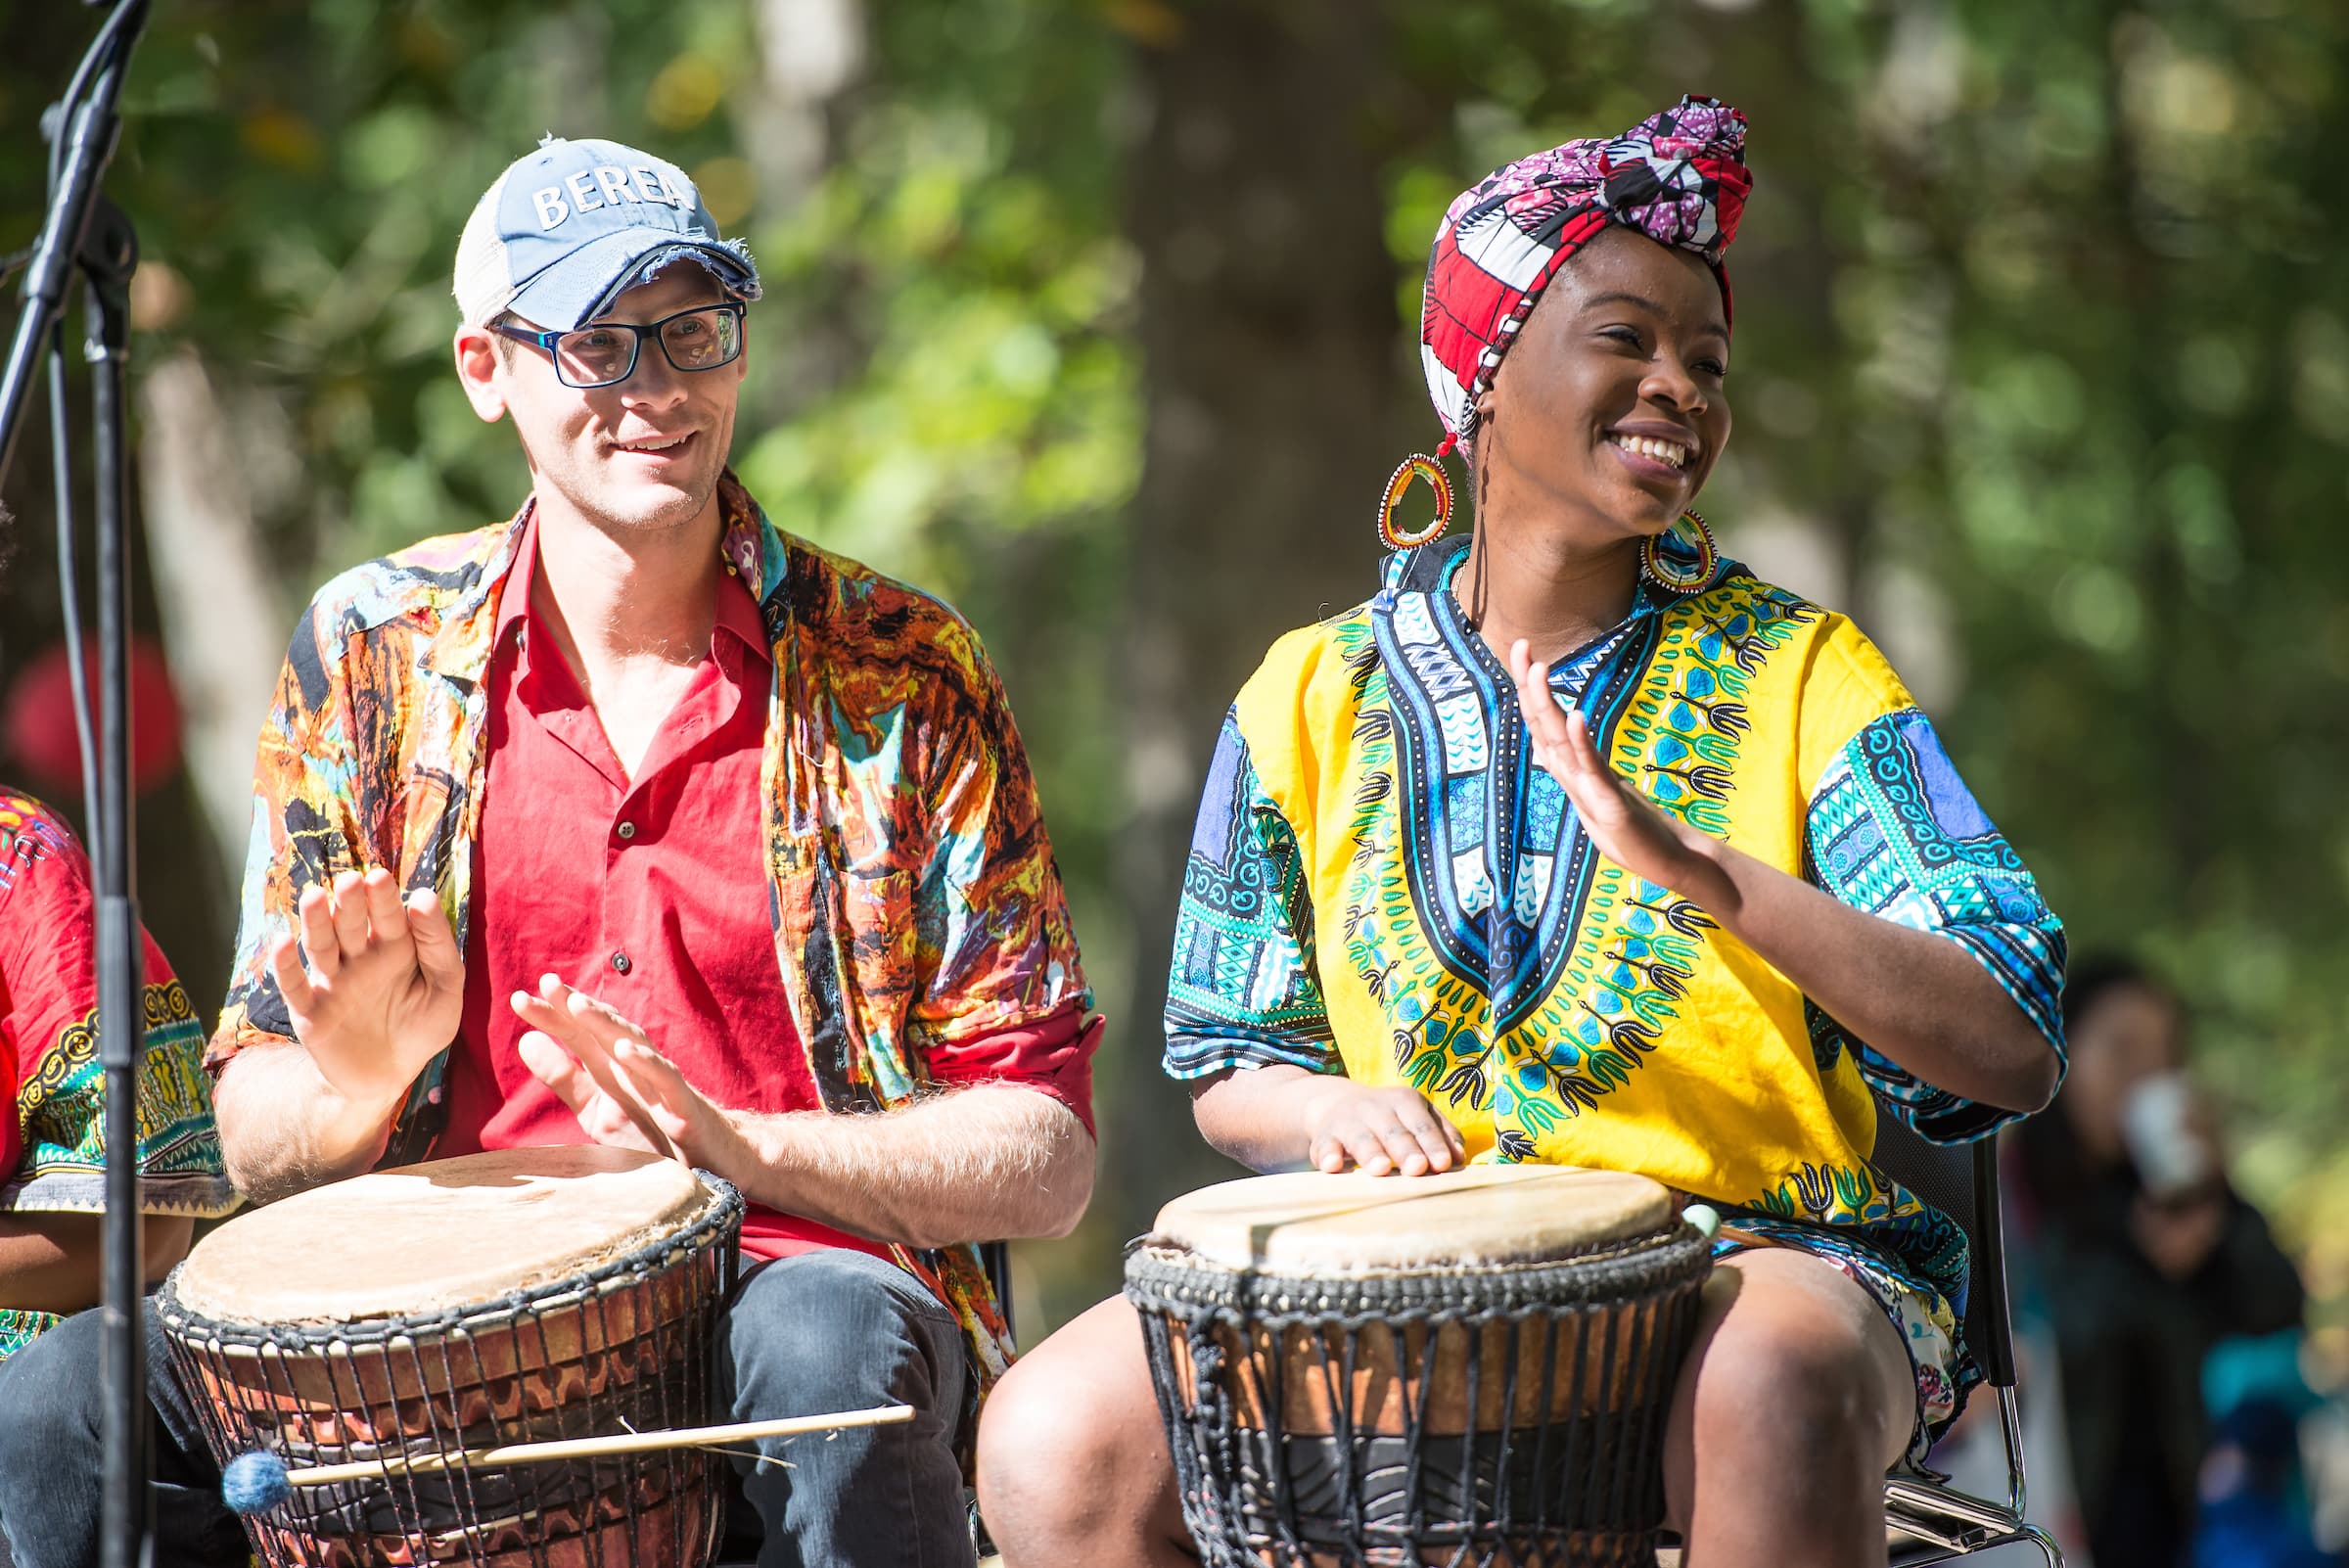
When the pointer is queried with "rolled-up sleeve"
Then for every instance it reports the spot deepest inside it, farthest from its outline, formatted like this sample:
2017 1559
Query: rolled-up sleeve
1052 1056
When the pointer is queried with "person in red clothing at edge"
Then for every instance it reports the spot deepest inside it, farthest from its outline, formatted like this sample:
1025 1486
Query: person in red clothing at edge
638 791
53 1102
53 1089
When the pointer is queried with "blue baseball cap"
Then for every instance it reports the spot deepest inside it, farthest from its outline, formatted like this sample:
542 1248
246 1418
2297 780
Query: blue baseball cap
570 227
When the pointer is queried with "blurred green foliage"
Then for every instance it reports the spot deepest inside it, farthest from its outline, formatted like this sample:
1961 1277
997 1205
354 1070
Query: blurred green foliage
2042 343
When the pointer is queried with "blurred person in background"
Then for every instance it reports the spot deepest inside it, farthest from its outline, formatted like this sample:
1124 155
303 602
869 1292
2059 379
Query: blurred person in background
2254 1492
2148 1258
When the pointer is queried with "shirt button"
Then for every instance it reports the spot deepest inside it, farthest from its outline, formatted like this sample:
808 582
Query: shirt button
627 830
619 961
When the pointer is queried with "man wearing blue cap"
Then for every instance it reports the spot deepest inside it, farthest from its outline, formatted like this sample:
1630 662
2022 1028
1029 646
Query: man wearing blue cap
636 819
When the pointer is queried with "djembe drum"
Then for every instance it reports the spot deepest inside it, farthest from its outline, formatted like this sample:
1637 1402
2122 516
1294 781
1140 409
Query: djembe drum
1471 1370
515 1296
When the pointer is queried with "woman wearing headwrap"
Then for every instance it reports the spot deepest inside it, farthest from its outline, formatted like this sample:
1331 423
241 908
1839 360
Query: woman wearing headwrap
1578 844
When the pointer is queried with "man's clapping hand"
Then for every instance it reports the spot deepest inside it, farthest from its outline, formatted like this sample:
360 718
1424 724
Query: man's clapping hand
382 989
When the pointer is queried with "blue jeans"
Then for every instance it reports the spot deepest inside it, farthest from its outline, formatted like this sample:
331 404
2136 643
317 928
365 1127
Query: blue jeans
829 1330
841 1330
53 1456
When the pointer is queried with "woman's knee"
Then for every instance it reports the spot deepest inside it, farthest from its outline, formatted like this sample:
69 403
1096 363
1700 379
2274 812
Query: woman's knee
1070 1442
1787 1380
1082 1393
1025 1434
1804 1356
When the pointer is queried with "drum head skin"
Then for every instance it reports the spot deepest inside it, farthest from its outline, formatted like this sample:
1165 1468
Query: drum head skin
425 1238
1305 1224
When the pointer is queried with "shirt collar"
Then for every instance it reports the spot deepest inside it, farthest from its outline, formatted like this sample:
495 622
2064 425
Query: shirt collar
514 605
737 620
738 617
462 632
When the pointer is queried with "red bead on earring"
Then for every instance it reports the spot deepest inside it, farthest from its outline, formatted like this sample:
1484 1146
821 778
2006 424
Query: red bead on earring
1416 466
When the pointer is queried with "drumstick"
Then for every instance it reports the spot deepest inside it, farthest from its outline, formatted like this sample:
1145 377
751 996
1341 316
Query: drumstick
258 1481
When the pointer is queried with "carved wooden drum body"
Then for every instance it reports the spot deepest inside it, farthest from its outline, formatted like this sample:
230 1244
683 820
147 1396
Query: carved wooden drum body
1468 1370
508 1297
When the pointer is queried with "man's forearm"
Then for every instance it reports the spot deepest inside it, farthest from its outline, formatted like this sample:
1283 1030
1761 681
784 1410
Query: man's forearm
284 1129
977 1163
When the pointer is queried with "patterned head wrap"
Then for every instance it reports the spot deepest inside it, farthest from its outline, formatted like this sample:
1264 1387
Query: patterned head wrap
1678 177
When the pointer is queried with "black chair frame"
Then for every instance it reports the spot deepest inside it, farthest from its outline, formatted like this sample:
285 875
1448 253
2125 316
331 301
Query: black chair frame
1944 1523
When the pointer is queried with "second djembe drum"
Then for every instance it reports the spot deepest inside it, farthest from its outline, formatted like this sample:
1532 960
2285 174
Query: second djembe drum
1471 1370
511 1297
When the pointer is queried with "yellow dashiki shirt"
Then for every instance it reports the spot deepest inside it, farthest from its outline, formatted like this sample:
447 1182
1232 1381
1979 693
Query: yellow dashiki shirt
1383 883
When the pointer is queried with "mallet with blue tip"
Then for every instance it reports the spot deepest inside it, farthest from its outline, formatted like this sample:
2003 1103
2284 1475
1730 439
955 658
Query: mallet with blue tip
258 1481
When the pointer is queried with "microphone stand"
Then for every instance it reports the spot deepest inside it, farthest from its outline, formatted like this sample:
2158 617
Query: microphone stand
86 233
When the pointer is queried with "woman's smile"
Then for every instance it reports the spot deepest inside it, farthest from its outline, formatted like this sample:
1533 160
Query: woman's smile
1657 451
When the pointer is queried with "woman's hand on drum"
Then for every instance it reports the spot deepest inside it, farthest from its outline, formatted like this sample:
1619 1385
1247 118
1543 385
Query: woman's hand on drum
383 989
1628 827
1382 1131
624 1093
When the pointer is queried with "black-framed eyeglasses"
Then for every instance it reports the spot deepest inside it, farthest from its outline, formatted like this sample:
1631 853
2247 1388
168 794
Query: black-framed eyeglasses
605 353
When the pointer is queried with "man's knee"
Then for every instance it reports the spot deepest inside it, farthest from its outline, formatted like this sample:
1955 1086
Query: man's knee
50 1454
833 1329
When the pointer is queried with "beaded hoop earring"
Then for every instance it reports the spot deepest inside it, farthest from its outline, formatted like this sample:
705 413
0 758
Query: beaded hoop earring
1669 575
1416 466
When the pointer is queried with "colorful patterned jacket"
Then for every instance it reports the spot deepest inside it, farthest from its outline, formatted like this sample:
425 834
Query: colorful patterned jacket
915 900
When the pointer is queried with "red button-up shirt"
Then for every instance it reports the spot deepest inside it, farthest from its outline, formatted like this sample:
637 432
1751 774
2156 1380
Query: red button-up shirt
650 893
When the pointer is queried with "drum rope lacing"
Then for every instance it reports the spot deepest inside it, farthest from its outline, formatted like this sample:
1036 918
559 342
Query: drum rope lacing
625 1344
1582 1489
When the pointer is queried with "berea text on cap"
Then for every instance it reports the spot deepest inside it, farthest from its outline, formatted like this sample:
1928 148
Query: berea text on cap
605 185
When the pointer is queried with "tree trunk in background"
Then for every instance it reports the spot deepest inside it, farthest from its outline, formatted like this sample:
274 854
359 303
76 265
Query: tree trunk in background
222 623
1786 262
1273 365
810 50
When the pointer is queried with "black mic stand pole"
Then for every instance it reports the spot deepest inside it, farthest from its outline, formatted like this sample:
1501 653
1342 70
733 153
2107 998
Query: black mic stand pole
84 231
121 954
